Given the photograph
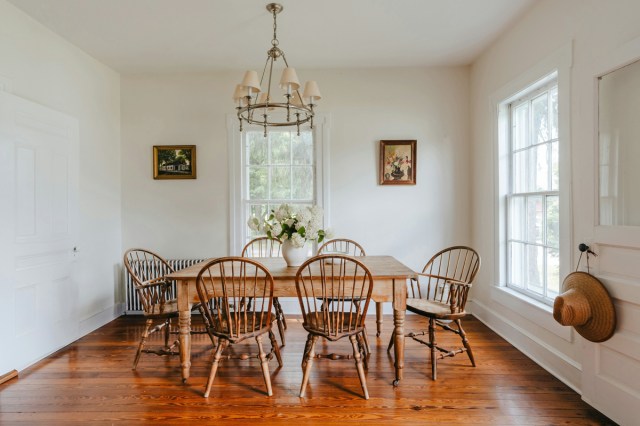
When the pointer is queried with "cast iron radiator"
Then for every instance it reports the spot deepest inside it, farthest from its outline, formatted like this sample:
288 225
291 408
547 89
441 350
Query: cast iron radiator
132 303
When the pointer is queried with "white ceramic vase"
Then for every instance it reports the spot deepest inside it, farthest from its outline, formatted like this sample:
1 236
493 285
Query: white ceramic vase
294 256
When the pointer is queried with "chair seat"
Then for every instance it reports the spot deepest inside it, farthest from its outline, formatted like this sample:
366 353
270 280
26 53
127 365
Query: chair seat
249 325
169 307
430 308
316 321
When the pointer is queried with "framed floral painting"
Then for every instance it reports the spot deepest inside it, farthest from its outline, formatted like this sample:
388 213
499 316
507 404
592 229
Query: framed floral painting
397 163
174 162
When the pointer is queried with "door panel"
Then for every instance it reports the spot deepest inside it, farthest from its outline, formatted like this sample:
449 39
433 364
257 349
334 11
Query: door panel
39 153
611 369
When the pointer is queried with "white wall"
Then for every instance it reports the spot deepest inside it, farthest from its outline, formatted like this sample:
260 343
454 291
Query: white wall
40 66
596 28
186 218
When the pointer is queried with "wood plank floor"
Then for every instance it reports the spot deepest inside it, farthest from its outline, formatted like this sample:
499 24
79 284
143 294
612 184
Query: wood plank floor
91 382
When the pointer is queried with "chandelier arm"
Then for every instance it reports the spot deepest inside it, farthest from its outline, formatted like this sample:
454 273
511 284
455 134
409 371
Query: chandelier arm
269 86
261 80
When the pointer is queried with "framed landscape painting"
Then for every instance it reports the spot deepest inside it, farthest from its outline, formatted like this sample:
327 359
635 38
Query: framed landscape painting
174 162
397 162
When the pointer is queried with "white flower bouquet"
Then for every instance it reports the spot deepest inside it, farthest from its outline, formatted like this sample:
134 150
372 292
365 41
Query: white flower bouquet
294 223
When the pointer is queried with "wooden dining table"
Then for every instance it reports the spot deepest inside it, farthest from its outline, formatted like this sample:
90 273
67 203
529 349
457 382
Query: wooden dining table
390 285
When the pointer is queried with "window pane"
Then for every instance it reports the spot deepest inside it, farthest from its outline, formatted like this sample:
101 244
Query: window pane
519 165
303 183
555 168
534 220
258 186
517 218
256 148
553 272
535 268
516 269
553 114
541 182
259 211
553 221
281 183
302 147
280 147
540 110
520 120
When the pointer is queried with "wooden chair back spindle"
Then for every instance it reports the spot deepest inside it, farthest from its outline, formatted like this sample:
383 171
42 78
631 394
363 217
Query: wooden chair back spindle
342 246
263 247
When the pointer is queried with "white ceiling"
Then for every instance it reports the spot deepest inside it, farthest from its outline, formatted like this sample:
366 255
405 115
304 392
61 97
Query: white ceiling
134 36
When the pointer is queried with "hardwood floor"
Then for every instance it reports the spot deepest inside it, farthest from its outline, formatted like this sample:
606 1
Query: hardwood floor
91 382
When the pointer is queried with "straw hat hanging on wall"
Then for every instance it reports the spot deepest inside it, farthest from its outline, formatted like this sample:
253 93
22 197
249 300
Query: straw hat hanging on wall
586 305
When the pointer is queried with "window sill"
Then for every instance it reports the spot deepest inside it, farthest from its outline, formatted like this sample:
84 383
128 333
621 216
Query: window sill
531 309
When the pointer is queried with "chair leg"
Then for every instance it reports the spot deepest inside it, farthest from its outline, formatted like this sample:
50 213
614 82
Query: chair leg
280 313
264 363
363 351
167 332
276 348
392 340
465 342
145 334
367 348
282 325
359 367
432 344
378 319
307 346
307 362
214 367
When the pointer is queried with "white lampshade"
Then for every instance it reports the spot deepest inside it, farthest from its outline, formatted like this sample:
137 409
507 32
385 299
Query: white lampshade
311 91
251 81
289 79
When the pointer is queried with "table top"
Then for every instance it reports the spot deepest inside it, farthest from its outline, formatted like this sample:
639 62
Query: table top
381 267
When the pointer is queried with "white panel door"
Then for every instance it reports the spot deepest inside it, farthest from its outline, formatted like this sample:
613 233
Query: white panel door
38 221
611 370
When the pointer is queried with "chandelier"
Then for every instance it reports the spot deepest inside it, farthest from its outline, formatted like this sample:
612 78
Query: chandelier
255 106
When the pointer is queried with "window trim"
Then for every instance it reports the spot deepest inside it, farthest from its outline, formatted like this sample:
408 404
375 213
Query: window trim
237 222
559 62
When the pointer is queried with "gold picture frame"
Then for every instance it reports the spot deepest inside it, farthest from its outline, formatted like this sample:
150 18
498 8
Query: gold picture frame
174 162
397 162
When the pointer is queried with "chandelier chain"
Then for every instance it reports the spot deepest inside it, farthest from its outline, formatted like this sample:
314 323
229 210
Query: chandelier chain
275 41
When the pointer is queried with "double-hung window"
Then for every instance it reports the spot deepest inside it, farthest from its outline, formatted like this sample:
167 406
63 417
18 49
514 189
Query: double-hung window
532 200
279 168
283 167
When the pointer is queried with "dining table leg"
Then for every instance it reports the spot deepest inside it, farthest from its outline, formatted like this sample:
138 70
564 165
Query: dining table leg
378 319
184 322
399 311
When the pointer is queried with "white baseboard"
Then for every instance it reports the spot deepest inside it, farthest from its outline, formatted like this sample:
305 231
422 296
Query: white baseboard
555 362
96 321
